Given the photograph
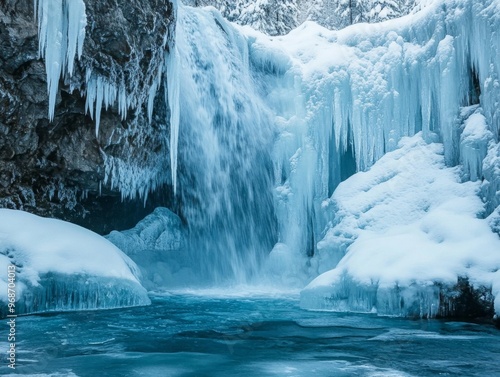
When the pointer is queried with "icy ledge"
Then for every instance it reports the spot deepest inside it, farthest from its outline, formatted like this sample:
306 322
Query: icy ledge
61 267
407 241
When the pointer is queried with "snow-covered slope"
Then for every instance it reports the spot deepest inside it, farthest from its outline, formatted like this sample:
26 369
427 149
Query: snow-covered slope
410 229
61 266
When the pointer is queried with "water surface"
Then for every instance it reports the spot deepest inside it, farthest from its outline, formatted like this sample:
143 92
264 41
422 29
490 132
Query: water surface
199 335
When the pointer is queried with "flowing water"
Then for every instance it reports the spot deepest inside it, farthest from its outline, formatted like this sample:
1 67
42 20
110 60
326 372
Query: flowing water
212 334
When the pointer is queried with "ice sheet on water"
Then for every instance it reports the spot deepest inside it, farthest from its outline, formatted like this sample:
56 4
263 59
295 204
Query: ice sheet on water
406 224
61 266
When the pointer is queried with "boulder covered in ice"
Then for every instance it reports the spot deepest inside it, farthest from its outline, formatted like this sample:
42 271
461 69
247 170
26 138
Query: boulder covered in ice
60 266
408 240
157 245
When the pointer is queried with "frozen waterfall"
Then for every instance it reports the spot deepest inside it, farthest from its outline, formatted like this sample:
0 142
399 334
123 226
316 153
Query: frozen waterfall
264 130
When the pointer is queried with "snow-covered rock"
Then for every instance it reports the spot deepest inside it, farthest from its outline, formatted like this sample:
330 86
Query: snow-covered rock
412 233
158 245
61 266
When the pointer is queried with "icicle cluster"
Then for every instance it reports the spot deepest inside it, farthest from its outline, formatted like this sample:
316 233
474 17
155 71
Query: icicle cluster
61 31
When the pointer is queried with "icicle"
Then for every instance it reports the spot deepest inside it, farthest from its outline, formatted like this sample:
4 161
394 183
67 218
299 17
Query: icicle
98 104
77 22
173 89
152 93
59 40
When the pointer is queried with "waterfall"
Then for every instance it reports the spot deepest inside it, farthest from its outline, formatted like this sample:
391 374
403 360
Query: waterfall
226 135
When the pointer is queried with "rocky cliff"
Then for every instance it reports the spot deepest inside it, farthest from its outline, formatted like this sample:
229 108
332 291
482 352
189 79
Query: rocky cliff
60 168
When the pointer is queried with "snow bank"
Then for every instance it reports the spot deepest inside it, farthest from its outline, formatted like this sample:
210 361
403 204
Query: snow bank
61 266
410 228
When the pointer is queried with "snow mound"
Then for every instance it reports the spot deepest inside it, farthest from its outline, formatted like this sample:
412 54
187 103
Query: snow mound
411 230
61 266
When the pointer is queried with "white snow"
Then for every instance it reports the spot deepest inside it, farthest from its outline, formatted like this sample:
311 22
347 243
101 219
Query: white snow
407 223
39 246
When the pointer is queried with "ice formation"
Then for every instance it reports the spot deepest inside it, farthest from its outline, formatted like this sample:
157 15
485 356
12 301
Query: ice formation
61 29
474 143
173 101
349 99
61 266
344 99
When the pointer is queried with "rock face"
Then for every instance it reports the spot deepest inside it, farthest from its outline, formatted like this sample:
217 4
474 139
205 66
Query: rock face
61 168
